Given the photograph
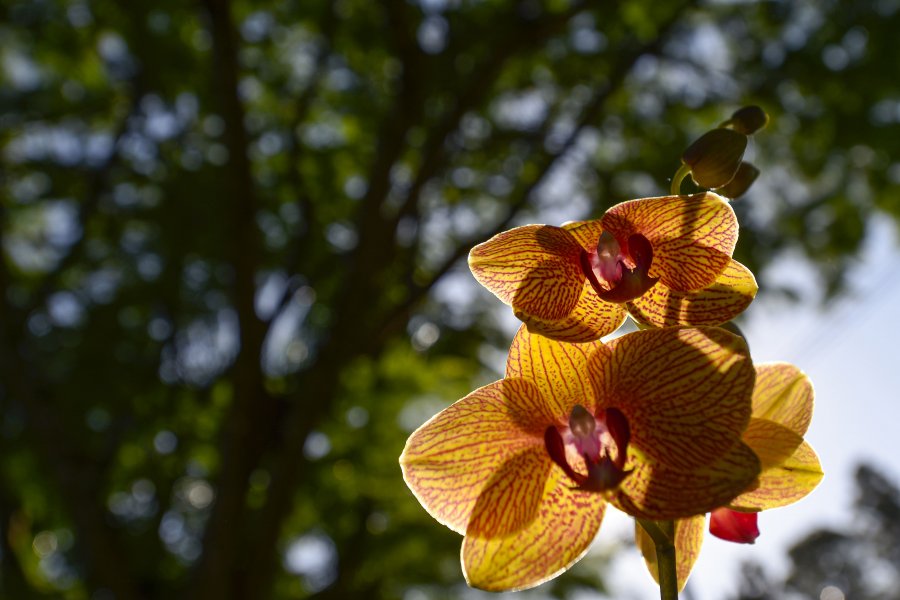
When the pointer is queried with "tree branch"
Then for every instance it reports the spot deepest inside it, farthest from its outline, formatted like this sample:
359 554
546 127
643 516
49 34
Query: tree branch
475 91
87 208
311 233
523 195
221 569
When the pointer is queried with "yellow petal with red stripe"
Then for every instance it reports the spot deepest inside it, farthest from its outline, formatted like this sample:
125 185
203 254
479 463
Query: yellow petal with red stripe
448 461
730 294
688 540
558 369
692 237
790 467
536 269
559 535
659 492
586 233
783 394
590 319
685 391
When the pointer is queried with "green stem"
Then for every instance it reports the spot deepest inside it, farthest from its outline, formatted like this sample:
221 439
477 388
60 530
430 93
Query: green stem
680 174
663 535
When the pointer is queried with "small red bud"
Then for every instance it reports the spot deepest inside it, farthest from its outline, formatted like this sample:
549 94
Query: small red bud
733 526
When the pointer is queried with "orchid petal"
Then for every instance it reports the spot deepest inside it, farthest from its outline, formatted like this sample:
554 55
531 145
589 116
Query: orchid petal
783 394
659 492
449 460
692 237
535 269
511 498
590 319
586 233
557 369
559 536
688 540
685 391
734 526
790 467
728 296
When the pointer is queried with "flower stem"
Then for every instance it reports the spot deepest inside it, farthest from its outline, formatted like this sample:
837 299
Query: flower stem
663 535
680 174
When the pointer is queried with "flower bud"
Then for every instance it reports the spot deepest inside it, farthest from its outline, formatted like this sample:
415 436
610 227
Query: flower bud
714 158
749 119
734 526
743 179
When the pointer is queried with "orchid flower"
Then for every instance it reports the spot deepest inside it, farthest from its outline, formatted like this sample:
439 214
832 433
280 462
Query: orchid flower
666 261
525 466
782 410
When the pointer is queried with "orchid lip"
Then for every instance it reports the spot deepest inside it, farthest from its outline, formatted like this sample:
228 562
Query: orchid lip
601 441
617 274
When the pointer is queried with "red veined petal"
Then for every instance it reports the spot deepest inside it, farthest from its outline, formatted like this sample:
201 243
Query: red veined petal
688 540
535 269
772 442
790 467
661 493
449 460
586 233
511 499
685 391
734 526
560 534
784 394
590 319
728 296
558 369
692 237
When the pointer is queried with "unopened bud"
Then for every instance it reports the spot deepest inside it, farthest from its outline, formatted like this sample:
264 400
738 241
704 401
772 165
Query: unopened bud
741 182
715 157
749 119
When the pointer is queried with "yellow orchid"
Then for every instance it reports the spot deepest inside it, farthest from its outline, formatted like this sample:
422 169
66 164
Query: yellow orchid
525 466
666 261
782 410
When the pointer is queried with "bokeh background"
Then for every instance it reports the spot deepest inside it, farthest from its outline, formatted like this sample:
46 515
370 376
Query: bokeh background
233 273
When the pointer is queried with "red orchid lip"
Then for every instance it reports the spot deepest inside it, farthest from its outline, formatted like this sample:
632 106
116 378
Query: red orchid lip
603 472
632 282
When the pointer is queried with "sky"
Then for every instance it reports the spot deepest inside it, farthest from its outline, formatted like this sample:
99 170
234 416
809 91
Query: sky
846 349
